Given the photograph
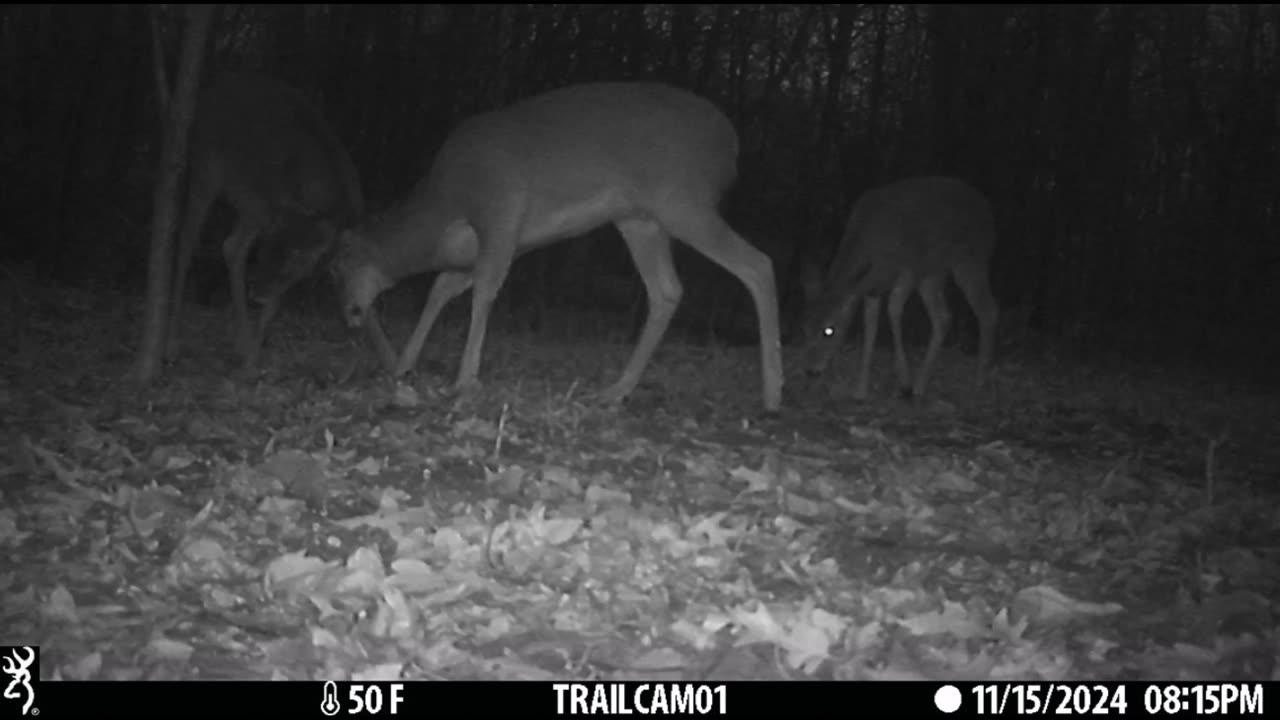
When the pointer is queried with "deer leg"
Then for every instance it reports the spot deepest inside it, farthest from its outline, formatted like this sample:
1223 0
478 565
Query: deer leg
377 338
870 328
974 283
704 230
199 199
933 292
897 302
650 248
490 271
448 285
270 307
235 251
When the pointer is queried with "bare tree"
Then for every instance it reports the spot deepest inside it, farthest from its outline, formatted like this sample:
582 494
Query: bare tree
164 219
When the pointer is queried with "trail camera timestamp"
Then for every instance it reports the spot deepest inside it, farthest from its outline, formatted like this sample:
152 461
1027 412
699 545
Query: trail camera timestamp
1050 699
1162 700
1169 700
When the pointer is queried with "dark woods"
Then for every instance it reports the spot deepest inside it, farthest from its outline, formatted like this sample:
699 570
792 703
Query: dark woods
1129 152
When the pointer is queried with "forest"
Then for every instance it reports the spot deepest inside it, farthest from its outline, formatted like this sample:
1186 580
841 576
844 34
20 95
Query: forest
1093 506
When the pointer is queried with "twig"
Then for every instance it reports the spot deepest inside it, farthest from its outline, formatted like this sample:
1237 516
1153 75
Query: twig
502 425
1209 456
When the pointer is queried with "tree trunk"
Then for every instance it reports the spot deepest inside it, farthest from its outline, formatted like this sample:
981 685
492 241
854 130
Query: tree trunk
173 162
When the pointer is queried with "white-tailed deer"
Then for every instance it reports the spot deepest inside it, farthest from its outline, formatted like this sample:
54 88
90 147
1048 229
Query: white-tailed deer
263 147
902 237
651 159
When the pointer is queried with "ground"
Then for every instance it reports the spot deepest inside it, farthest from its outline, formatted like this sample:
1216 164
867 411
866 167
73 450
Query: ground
318 520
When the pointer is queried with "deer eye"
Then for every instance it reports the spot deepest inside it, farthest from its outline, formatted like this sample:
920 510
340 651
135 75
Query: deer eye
828 331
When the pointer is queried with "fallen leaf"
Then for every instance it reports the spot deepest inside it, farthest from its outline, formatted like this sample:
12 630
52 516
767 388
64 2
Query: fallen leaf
379 673
168 650
756 481
60 606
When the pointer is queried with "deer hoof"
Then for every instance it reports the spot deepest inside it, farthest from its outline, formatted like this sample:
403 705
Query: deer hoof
400 369
613 395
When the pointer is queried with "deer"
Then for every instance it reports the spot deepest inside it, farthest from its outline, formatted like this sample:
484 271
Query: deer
651 159
262 146
904 237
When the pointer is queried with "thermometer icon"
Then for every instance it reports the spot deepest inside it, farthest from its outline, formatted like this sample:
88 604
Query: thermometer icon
329 705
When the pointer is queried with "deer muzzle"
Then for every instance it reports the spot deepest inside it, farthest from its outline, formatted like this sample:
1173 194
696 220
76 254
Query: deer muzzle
818 366
820 351
354 314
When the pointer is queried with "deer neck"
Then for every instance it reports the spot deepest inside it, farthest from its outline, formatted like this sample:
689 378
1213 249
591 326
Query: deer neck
414 239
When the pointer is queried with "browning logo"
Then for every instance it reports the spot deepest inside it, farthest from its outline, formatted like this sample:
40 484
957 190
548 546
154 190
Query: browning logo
22 665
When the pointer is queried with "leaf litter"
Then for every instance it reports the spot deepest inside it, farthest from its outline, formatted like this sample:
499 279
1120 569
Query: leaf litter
288 527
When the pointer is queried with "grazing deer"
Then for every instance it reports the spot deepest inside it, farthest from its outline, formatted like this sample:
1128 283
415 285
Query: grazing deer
650 159
902 237
264 148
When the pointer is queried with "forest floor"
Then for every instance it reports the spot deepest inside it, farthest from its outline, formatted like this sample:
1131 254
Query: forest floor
307 522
